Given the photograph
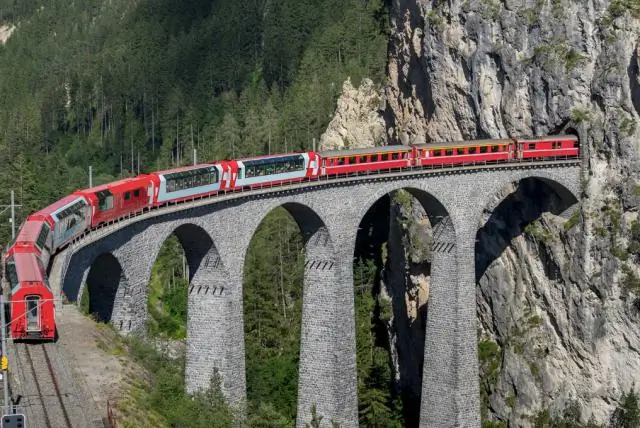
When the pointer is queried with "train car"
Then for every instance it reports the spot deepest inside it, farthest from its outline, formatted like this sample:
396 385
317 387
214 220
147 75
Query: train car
32 306
35 236
464 152
274 170
356 161
556 146
181 184
68 218
112 201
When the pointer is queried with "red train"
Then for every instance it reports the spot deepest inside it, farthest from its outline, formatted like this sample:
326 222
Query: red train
52 228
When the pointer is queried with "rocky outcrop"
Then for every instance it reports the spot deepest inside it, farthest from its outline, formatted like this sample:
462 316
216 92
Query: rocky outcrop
5 33
557 307
357 121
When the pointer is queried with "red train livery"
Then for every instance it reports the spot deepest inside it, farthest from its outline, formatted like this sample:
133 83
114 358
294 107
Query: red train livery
47 231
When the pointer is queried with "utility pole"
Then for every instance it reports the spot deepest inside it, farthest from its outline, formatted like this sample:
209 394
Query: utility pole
4 363
12 220
90 177
195 156
13 225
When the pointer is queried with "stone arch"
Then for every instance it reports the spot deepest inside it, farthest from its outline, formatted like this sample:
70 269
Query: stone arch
437 367
317 385
105 280
513 207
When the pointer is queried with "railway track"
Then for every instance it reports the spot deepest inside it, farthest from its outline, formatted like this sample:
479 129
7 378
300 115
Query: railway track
45 401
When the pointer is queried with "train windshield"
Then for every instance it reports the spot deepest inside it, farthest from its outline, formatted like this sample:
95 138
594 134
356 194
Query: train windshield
12 275
33 309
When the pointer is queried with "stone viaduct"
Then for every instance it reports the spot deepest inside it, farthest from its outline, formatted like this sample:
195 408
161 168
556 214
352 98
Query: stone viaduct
216 233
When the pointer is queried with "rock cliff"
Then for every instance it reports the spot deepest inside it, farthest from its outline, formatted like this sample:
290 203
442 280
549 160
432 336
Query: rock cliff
558 301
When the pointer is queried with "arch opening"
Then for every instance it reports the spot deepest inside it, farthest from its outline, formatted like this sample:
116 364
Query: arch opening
392 273
176 266
104 279
273 281
519 261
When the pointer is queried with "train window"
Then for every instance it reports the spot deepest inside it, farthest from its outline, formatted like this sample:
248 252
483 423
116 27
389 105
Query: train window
352 160
340 161
448 152
483 149
495 149
437 152
42 237
127 196
374 158
33 320
105 200
136 193
532 146
384 156
472 150
460 151
576 144
12 275
363 159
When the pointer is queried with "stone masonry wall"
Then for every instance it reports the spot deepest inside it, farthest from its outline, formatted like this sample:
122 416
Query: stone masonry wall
329 214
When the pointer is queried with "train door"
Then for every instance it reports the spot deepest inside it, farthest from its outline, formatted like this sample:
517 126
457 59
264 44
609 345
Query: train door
150 193
33 313
314 161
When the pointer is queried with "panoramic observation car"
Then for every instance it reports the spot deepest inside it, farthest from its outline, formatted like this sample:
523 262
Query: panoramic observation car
180 184
32 306
47 231
259 171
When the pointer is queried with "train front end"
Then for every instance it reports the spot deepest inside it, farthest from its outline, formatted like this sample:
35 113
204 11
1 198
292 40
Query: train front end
32 307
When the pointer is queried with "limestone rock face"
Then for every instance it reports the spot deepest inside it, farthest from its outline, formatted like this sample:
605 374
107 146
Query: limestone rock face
357 121
5 33
550 293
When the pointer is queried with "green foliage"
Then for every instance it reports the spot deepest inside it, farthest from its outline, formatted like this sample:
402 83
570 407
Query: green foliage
573 220
83 84
489 356
630 281
273 280
168 397
580 115
627 414
378 408
617 8
634 242
167 303
85 300
536 230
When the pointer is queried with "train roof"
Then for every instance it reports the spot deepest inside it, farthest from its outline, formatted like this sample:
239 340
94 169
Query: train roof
366 150
56 205
454 144
550 138
184 168
29 231
130 183
274 156
28 268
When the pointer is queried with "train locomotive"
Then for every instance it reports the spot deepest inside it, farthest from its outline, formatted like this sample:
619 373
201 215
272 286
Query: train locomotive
49 230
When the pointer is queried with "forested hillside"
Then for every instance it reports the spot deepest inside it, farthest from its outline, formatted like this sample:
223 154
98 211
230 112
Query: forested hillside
130 86
135 86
